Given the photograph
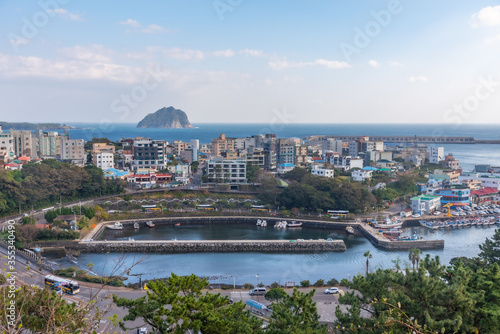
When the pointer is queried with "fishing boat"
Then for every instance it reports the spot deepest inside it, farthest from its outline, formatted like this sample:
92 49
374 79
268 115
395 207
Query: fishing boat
178 224
259 222
387 224
136 225
349 229
263 223
295 224
393 231
150 224
115 226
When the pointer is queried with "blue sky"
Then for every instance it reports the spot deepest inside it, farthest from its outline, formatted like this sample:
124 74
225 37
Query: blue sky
251 61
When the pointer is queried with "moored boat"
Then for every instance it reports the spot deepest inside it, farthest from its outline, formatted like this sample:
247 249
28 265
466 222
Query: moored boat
349 229
295 224
136 225
150 224
115 226
389 223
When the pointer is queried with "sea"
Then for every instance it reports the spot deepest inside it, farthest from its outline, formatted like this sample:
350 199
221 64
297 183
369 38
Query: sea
468 154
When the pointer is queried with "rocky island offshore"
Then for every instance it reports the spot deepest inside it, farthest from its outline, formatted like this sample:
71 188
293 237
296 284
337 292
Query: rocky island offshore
169 118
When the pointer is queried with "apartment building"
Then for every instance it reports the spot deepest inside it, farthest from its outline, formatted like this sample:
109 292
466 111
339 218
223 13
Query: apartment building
226 171
149 154
73 151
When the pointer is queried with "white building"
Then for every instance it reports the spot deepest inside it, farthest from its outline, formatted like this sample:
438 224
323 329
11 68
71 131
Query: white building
488 180
6 147
324 172
425 204
346 162
435 154
104 160
361 174
331 144
226 171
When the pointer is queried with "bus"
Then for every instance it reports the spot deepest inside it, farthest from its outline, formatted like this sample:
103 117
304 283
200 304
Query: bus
259 208
62 284
205 207
335 214
152 207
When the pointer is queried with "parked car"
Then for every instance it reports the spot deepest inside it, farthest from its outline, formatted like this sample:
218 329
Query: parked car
416 215
332 290
437 213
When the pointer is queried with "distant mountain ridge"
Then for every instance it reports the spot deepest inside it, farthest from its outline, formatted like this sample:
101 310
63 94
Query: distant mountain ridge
169 118
34 126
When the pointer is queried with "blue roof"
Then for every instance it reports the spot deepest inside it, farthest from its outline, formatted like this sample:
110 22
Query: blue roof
115 172
369 168
287 165
256 304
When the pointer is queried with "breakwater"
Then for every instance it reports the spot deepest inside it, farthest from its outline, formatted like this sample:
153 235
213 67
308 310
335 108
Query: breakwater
204 246
413 139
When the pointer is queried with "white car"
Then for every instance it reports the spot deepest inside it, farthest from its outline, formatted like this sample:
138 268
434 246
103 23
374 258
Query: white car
436 213
332 290
416 215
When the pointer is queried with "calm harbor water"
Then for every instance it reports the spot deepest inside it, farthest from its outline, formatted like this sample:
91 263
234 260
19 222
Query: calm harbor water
271 267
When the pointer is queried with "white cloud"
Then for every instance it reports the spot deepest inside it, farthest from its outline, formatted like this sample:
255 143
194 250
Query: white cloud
420 78
93 53
252 53
492 40
65 13
224 53
331 64
150 29
183 54
395 64
132 23
488 16
374 63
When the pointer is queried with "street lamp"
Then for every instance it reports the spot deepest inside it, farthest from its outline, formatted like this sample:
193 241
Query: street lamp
257 285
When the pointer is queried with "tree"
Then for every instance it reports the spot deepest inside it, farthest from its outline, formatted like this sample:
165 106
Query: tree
296 314
275 294
414 256
181 306
252 172
368 257
490 249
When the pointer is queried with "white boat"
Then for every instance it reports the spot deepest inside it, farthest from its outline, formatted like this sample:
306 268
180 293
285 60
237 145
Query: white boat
259 222
389 223
150 224
263 223
295 224
136 225
349 229
115 226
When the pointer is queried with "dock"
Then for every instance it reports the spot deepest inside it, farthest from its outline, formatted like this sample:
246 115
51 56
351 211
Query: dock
379 240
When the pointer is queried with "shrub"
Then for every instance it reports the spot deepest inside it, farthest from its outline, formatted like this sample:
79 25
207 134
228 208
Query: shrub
3 280
275 285
319 283
248 286
332 282
275 294
305 283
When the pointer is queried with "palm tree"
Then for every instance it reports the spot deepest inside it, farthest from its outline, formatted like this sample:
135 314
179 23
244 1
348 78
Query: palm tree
414 256
368 257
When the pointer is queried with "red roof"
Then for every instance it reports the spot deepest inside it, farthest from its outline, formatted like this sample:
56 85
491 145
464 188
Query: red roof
316 158
11 165
24 158
485 191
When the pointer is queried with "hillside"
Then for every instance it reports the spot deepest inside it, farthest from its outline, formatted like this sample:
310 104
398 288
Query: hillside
166 118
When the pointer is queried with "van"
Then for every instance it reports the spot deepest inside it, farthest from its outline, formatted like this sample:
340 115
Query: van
257 292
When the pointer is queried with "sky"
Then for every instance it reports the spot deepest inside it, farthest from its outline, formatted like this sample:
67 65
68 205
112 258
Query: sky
237 61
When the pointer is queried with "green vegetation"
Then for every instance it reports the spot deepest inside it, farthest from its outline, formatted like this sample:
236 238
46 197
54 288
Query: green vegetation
180 307
463 297
275 294
315 193
26 234
81 275
46 183
33 126
252 172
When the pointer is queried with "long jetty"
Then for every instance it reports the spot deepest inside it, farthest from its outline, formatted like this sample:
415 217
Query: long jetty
413 139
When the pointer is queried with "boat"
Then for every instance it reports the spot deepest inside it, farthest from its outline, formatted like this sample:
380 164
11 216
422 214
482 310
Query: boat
393 231
281 224
259 222
349 229
295 224
136 225
263 223
178 224
150 224
115 226
389 223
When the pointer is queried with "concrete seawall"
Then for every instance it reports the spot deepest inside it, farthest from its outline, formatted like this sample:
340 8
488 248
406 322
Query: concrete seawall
214 246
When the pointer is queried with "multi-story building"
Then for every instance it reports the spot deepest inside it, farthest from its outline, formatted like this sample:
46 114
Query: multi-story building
451 162
6 147
457 195
103 155
345 162
435 154
49 144
149 154
361 174
150 179
226 171
301 155
179 146
488 180
324 172
257 157
285 151
425 204
222 144
73 151
484 196
331 144
22 143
